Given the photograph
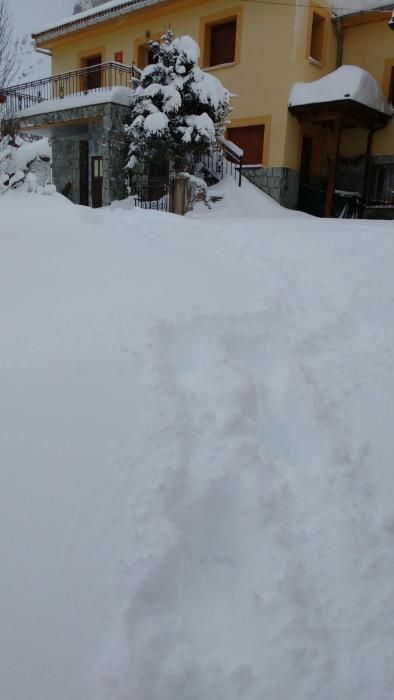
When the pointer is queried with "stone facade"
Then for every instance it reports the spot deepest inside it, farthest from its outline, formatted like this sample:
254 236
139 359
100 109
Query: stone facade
280 183
101 126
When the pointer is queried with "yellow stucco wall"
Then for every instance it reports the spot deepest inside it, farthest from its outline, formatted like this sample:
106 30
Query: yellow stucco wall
304 70
369 46
272 57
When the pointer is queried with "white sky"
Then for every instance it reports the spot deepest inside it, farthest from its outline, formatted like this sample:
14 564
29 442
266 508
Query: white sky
30 15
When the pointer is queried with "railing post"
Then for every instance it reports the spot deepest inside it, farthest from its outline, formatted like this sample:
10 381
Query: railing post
240 170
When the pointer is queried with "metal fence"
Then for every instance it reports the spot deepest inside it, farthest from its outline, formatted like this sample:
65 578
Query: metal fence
381 186
96 78
154 195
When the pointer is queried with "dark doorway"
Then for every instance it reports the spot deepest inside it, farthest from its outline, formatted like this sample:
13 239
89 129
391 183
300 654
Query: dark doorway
84 173
251 140
146 55
158 177
306 160
94 73
311 196
97 182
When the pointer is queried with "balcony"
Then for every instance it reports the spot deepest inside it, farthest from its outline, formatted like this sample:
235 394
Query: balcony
74 84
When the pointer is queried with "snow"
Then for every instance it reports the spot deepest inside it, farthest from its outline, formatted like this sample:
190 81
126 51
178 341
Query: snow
202 125
209 88
26 153
233 147
117 95
156 123
345 83
189 47
195 453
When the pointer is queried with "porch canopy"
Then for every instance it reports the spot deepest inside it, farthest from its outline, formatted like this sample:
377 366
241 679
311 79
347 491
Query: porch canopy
349 97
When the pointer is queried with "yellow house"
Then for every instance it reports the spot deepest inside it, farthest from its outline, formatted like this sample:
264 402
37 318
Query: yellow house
300 154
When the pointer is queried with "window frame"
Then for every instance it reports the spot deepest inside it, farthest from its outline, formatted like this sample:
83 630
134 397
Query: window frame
207 22
323 16
140 43
263 121
388 80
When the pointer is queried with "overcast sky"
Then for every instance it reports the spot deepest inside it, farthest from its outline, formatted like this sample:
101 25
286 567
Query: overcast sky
29 15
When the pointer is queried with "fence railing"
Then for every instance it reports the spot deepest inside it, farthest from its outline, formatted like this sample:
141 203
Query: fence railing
152 194
96 78
225 158
381 186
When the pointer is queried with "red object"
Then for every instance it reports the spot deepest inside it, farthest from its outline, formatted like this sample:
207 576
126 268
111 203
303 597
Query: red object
119 56
3 98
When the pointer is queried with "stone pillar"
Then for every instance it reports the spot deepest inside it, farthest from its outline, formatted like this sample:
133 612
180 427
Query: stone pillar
179 195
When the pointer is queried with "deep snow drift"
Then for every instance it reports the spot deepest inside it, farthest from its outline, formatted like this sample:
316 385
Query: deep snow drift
197 492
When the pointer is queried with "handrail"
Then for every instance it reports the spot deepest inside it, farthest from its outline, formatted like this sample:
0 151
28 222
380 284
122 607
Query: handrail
223 159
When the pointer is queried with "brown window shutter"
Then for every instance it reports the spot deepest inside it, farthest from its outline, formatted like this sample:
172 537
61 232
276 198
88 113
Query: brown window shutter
223 38
251 140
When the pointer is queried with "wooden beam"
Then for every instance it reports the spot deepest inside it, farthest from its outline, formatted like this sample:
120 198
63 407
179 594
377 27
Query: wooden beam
333 170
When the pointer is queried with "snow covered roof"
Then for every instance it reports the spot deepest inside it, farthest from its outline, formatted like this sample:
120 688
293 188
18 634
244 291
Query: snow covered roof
347 83
101 13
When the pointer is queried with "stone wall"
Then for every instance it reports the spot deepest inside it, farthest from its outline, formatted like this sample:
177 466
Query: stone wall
65 165
115 153
280 183
102 126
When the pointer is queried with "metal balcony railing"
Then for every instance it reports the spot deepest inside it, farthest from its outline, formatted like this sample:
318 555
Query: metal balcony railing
98 78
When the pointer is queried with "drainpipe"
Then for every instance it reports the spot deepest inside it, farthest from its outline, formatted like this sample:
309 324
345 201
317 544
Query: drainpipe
340 38
371 134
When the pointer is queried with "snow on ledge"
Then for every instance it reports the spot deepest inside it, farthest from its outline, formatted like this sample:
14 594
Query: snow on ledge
117 95
345 83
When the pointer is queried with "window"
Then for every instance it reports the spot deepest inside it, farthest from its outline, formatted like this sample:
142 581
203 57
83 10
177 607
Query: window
221 41
251 140
221 37
317 37
388 80
145 55
391 87
97 162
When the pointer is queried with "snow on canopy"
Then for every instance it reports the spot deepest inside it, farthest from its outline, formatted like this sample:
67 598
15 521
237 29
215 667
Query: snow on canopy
345 83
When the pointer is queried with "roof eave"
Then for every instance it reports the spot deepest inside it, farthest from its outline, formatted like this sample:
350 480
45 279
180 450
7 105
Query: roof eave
363 13
98 17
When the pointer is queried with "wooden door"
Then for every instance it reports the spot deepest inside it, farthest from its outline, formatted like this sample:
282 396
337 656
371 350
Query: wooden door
94 73
97 182
84 173
251 140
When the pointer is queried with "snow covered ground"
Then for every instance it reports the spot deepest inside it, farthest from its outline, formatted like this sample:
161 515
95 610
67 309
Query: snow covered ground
196 453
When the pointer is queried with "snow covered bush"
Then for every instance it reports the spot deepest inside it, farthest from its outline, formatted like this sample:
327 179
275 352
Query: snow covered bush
177 109
24 162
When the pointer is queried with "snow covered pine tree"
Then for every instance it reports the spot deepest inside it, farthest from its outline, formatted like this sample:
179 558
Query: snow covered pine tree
177 110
